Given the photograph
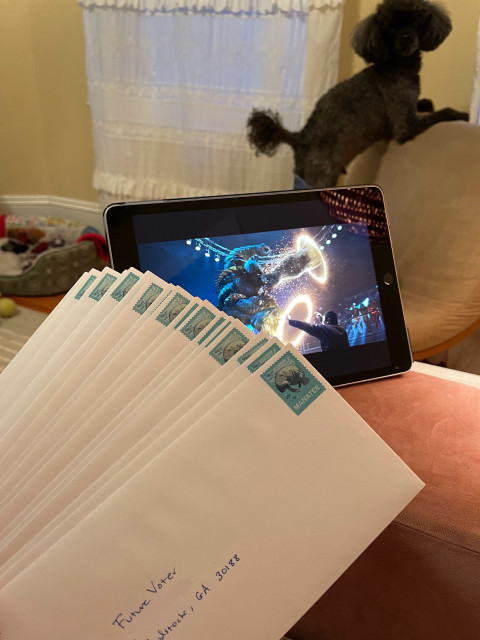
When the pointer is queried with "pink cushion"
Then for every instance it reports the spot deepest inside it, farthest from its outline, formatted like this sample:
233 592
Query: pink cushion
420 579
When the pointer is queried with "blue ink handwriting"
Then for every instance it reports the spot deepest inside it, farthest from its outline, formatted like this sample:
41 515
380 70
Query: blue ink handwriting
157 586
231 563
120 620
163 631
172 626
123 619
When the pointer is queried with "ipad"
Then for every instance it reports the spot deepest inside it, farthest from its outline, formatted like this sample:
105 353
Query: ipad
313 267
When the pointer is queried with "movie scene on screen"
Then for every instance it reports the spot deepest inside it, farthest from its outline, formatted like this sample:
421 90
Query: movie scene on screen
313 287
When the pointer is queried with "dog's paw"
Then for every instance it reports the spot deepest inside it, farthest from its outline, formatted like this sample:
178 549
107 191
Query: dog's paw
425 105
453 114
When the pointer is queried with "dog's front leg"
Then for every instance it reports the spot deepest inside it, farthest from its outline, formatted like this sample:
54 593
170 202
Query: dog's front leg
408 123
442 115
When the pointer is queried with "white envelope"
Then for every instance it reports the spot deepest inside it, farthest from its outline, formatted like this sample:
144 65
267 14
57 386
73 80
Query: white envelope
94 431
96 413
75 331
233 531
103 375
103 452
38 431
58 390
228 375
111 367
49 335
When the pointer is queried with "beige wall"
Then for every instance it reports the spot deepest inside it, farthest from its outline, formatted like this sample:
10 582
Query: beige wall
45 129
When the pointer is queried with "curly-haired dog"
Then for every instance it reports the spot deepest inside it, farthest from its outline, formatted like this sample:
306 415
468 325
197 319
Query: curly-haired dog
378 103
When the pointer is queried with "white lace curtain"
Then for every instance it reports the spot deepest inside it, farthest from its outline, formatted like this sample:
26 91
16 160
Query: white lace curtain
171 84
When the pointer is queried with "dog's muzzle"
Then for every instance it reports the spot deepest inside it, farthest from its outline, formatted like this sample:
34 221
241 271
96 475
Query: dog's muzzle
406 42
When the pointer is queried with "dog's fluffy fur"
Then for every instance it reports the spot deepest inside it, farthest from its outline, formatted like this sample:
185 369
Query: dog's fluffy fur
379 103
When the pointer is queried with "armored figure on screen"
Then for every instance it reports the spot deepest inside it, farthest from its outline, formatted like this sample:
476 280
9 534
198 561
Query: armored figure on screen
248 278
243 288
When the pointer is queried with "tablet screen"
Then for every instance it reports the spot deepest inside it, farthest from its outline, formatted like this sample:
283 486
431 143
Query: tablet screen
307 267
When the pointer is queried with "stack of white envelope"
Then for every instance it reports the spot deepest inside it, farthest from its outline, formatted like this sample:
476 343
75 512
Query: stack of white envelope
166 473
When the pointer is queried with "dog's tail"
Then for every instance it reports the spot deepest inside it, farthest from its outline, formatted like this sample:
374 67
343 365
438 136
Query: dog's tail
265 132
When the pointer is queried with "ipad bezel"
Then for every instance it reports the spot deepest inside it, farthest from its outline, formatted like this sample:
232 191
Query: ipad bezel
184 218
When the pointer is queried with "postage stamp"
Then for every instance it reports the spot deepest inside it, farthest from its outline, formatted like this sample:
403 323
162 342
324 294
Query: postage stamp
85 287
245 355
213 327
293 382
197 323
148 298
263 357
103 286
229 346
124 287
171 310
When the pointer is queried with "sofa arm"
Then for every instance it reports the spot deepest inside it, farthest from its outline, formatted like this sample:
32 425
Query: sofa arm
420 578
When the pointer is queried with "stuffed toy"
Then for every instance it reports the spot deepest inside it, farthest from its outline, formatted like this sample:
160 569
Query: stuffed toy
379 103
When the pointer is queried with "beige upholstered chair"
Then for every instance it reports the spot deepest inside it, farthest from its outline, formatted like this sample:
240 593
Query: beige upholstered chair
432 192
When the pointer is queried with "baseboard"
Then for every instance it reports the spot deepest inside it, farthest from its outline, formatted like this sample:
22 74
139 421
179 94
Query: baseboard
83 211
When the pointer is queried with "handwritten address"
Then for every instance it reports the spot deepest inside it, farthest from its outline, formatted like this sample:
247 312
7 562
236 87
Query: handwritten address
123 620
224 570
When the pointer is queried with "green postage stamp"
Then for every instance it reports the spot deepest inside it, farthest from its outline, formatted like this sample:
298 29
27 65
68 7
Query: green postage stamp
228 347
197 323
85 287
124 287
293 382
176 305
148 298
102 287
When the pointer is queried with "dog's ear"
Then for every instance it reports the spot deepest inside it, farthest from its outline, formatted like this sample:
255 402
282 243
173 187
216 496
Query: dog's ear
367 40
437 29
